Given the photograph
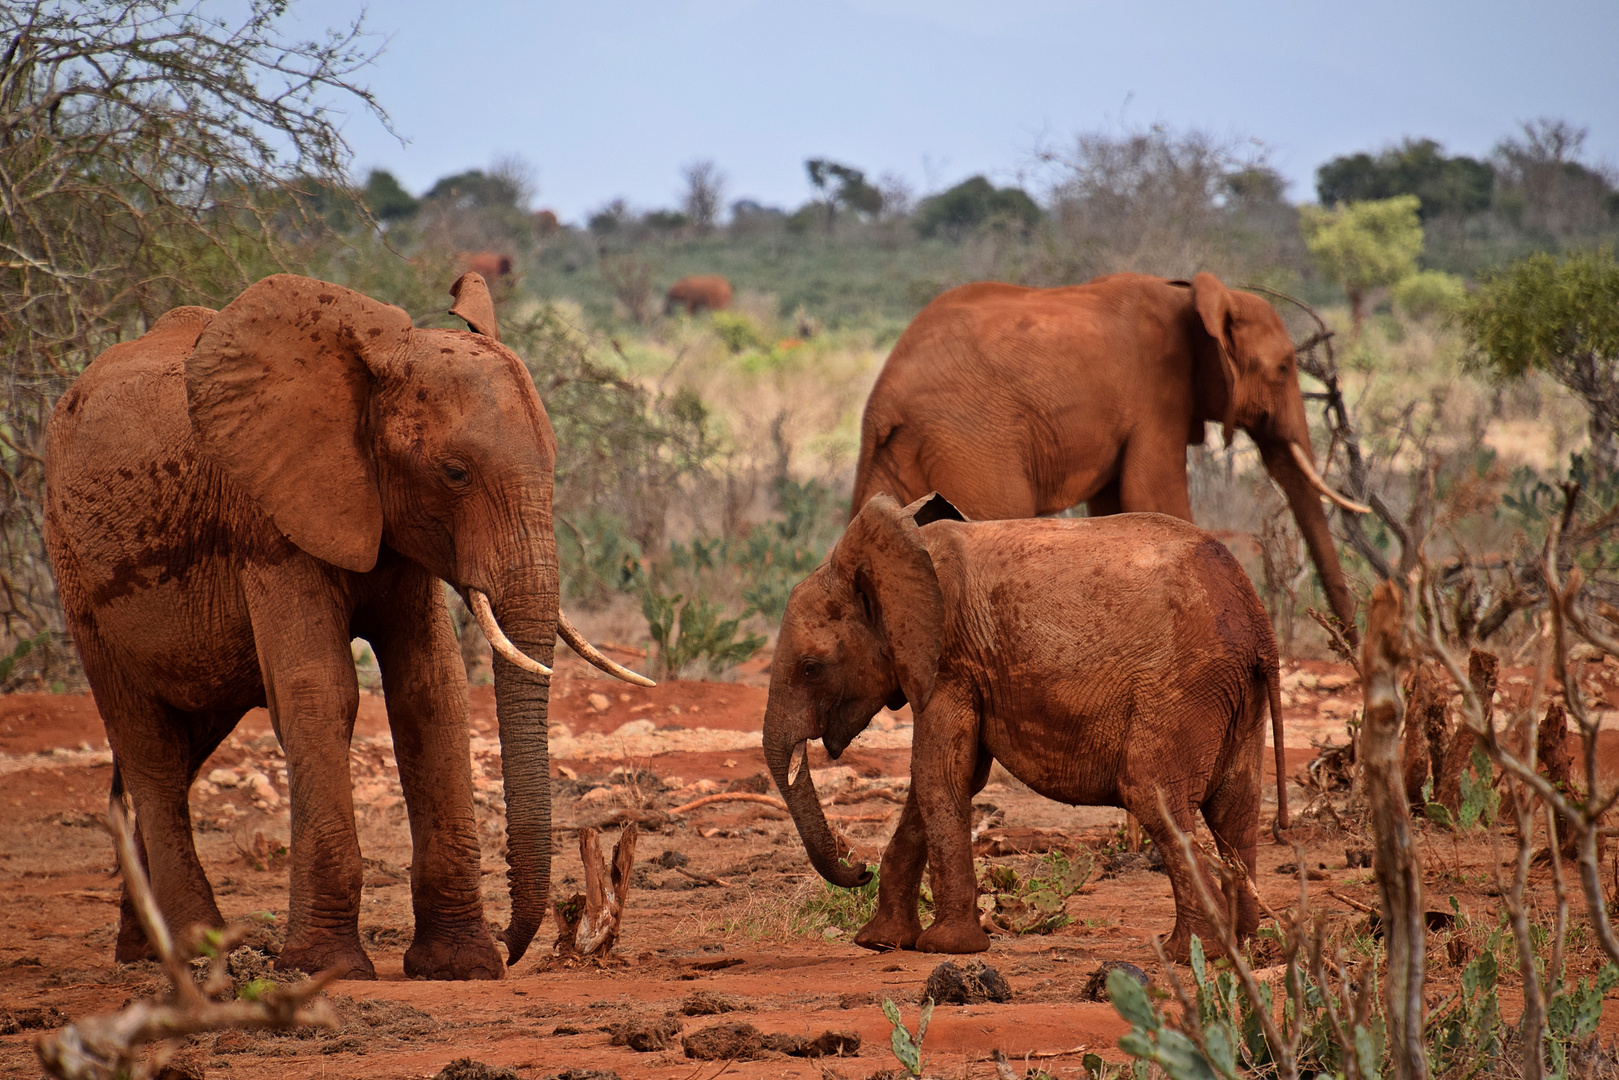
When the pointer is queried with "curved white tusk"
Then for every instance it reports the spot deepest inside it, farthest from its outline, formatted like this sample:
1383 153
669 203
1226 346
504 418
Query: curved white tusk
1320 485
497 638
576 641
798 762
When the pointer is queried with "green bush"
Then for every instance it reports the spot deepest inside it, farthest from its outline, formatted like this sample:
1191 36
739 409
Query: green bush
737 332
688 632
1428 292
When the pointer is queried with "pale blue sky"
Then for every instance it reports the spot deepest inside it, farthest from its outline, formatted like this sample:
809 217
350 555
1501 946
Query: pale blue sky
605 98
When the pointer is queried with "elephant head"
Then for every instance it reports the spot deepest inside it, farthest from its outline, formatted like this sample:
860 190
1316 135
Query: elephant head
864 630
1248 378
350 429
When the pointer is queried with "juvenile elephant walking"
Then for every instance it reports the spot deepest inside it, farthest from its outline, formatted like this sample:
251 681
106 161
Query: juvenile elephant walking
1101 661
232 498
1013 402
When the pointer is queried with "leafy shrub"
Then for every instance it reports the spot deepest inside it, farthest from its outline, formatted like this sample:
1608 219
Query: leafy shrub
737 332
1429 292
1032 904
598 558
689 631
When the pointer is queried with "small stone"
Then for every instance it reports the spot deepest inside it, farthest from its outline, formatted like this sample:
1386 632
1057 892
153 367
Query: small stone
633 728
224 778
1335 680
260 786
599 702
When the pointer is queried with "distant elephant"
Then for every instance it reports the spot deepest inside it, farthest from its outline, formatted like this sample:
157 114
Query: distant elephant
1016 402
234 496
1100 661
489 265
701 292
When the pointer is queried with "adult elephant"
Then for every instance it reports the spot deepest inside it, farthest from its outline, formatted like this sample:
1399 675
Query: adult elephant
232 498
1015 402
698 293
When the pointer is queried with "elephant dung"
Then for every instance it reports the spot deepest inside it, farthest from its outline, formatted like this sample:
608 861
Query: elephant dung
467 1069
1096 985
953 985
721 1042
644 1037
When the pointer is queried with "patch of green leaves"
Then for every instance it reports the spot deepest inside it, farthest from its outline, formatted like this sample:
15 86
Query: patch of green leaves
8 664
1033 904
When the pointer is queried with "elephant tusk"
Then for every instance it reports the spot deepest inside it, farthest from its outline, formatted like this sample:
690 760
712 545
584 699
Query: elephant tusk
497 637
576 641
798 762
1303 461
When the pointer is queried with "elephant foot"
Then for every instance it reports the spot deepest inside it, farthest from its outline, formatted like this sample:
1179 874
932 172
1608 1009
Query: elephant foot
953 937
884 933
347 957
467 954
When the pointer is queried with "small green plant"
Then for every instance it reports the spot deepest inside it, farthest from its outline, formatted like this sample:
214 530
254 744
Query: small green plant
689 631
908 1048
830 908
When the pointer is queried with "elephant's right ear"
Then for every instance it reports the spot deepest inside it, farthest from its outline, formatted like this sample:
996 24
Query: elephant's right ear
277 389
1217 374
883 552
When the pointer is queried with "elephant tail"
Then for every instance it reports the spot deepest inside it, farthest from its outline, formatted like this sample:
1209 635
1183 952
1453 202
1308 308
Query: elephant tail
1273 684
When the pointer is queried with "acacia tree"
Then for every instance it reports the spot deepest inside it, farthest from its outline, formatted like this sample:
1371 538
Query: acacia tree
150 155
841 185
1362 245
705 191
1561 317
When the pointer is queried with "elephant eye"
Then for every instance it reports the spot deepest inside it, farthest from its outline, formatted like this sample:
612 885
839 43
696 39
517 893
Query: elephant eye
455 474
810 666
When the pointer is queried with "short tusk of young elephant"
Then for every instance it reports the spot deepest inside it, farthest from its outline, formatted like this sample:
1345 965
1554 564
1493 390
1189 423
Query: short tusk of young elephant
798 762
497 637
576 641
1320 485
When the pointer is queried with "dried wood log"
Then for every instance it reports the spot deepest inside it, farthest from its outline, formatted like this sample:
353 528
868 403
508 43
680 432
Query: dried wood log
1482 669
588 923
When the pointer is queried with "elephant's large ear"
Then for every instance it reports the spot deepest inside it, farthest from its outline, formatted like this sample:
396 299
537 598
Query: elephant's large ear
277 388
883 552
1217 374
474 304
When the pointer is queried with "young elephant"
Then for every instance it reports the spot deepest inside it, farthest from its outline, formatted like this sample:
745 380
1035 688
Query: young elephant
1100 661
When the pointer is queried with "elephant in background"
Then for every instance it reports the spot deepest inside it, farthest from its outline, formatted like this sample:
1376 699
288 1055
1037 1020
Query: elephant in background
1015 402
1103 662
233 497
489 265
698 293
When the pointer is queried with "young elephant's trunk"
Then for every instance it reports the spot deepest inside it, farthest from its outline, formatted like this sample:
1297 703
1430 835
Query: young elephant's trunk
824 850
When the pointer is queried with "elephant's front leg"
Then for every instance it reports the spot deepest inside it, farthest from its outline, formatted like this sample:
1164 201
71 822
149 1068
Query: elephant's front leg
897 925
302 635
944 765
425 683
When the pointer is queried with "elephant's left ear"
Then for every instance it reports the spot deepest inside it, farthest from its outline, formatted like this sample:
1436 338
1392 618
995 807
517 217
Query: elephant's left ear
883 552
1217 376
474 304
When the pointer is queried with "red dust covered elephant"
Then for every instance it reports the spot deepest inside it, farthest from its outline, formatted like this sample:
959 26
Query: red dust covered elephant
232 498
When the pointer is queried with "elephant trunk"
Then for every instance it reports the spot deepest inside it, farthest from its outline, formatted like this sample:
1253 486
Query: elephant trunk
526 611
824 850
1282 458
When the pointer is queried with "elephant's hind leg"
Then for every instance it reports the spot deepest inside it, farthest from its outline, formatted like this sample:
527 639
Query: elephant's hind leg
1139 790
159 751
1232 812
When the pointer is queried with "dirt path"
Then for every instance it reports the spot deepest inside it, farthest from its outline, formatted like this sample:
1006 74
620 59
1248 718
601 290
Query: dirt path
754 940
